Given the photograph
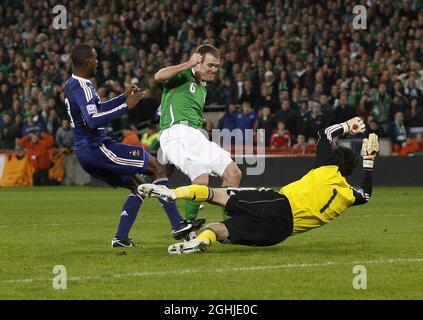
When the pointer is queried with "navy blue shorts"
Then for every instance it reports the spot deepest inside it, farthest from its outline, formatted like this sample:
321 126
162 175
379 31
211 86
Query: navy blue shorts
114 163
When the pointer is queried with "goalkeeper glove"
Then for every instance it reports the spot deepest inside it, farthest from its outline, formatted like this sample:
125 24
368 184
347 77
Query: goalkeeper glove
369 149
354 126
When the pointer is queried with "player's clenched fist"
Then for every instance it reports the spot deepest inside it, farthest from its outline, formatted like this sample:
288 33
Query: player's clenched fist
354 126
130 90
133 99
195 59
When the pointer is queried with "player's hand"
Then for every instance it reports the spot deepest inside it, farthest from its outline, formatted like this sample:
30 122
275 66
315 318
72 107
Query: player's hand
369 149
195 59
131 90
133 99
354 126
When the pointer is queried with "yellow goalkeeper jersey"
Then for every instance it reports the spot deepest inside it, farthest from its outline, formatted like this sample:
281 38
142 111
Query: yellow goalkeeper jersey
318 197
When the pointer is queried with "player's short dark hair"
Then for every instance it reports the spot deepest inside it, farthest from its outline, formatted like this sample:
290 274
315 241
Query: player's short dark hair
207 48
80 54
347 160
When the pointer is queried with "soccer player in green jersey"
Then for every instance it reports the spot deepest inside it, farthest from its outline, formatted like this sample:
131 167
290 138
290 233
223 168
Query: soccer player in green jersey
181 139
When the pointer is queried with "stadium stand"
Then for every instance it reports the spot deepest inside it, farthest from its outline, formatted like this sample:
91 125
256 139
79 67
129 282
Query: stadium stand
296 61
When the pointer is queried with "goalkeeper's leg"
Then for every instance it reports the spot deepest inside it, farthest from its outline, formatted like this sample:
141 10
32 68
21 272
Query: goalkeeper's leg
198 193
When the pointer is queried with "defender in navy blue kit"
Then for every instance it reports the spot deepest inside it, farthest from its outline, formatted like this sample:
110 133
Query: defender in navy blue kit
119 165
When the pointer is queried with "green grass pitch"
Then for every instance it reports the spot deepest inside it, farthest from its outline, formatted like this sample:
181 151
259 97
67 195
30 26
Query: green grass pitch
44 227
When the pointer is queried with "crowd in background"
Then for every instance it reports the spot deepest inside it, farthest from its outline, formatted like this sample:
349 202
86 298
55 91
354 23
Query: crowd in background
289 67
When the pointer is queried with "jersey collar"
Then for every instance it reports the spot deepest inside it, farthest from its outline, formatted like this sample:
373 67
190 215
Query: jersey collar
203 83
80 78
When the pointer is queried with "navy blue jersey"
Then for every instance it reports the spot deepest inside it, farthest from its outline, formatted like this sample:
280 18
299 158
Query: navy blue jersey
88 114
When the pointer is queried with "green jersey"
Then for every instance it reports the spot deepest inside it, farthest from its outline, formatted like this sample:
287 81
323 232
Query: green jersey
183 100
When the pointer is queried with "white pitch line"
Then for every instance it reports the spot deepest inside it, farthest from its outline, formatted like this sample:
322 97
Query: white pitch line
383 215
36 225
160 221
225 270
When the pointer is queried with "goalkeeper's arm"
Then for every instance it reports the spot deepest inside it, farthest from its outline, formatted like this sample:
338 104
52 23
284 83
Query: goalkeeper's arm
368 151
324 154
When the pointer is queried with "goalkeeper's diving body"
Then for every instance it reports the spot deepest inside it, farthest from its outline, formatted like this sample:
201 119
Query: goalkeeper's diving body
264 217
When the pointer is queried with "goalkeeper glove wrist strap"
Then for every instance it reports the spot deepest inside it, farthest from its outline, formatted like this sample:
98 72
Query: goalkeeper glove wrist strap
368 164
345 127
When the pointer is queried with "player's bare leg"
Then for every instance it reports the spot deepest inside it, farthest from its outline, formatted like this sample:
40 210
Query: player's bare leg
231 178
232 175
208 235
180 227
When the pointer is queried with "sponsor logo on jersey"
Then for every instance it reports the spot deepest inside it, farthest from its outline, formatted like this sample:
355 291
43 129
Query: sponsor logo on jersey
91 108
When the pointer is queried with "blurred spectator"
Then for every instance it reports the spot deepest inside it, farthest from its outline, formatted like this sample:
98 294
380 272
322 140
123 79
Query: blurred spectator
317 120
19 125
303 119
398 133
281 137
30 125
229 92
37 146
248 93
64 135
286 115
414 114
270 84
246 119
150 137
301 146
265 122
8 132
373 127
130 136
343 111
5 97
381 105
311 145
412 145
228 118
53 123
267 99
283 84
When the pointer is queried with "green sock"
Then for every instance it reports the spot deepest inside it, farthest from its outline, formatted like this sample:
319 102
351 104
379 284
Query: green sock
224 215
191 209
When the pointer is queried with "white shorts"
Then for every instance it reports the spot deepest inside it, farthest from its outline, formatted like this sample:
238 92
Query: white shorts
189 150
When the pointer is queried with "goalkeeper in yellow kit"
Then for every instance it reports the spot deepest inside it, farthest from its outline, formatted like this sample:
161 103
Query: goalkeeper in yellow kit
264 217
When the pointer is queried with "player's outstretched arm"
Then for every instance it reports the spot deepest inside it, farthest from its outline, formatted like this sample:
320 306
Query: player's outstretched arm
369 150
122 98
95 117
324 154
169 72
